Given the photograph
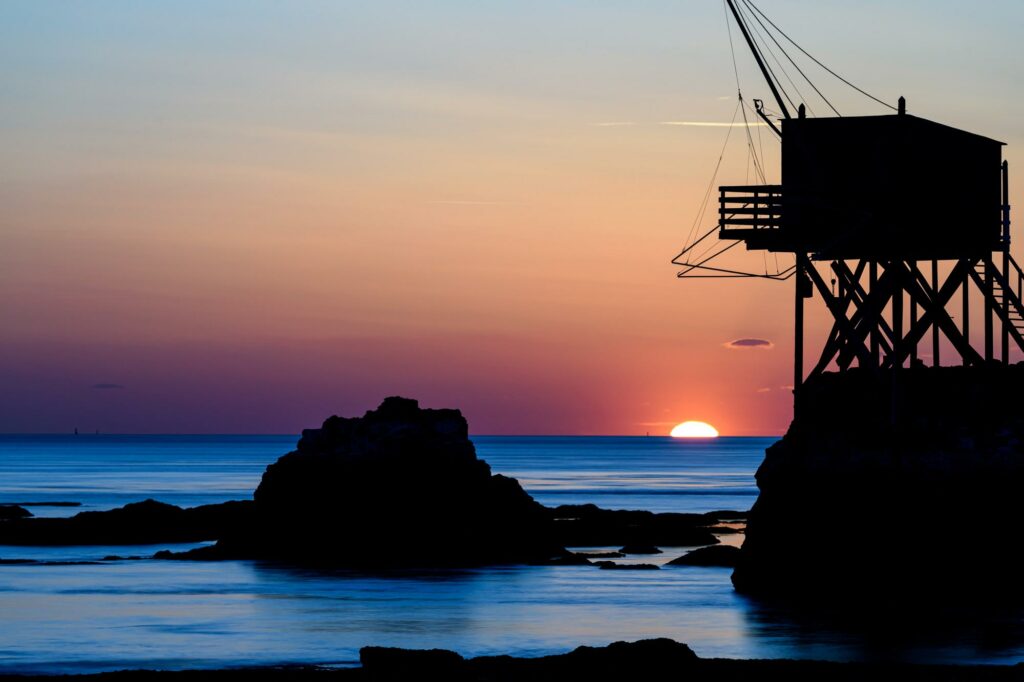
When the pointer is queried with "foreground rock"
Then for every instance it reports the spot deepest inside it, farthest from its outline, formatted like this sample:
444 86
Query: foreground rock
853 504
399 486
719 555
140 523
653 659
10 512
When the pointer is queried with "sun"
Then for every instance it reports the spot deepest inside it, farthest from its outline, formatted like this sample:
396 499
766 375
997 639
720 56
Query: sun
694 430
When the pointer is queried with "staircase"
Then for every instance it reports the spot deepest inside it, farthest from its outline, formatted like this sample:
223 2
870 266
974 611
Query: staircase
1007 291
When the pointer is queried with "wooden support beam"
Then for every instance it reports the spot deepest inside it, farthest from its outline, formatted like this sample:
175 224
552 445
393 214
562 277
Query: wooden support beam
1004 335
859 297
872 283
987 291
966 322
866 318
798 332
935 327
913 315
935 313
869 319
846 328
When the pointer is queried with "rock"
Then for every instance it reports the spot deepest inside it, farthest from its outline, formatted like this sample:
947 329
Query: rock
621 660
717 555
586 525
600 555
411 664
9 512
568 559
726 516
140 523
845 475
398 486
613 566
640 549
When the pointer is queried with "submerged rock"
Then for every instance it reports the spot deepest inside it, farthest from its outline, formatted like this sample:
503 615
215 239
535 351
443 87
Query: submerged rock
399 486
854 501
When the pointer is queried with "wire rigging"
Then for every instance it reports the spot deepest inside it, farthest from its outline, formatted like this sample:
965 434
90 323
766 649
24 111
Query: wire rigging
814 59
791 61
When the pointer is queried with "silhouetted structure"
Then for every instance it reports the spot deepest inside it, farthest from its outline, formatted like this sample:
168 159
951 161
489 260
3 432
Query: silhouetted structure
884 200
883 466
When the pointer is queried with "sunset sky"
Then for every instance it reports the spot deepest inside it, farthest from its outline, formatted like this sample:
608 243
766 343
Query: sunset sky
246 216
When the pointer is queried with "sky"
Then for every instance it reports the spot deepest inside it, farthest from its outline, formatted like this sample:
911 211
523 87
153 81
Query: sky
243 217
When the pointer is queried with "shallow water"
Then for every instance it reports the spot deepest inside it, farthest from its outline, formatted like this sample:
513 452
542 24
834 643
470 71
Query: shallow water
118 614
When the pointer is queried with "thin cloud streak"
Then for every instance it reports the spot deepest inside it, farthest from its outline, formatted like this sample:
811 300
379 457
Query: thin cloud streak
713 124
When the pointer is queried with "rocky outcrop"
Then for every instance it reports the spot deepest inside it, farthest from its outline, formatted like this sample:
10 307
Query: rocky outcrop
398 486
11 512
718 555
625 660
140 523
879 490
586 525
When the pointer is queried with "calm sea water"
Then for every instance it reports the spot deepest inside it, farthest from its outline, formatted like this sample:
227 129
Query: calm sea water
112 615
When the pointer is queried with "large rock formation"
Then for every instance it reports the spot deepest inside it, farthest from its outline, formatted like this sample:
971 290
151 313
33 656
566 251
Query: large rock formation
916 492
399 486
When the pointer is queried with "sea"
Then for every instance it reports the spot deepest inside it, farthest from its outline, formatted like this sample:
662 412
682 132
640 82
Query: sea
81 614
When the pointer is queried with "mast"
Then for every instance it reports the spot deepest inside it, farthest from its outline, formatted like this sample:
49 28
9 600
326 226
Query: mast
760 62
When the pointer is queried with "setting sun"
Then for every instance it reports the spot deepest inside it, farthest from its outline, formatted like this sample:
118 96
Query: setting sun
694 430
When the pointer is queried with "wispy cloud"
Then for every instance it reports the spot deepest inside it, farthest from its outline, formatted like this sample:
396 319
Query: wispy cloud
764 389
741 344
714 124
468 202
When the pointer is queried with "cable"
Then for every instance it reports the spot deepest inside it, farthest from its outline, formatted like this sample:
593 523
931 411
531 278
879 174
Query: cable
795 65
767 66
815 60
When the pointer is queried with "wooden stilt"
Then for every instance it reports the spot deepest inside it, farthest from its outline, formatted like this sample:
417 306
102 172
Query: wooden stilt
965 323
935 327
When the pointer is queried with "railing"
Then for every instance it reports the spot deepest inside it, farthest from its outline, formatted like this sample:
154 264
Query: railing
749 208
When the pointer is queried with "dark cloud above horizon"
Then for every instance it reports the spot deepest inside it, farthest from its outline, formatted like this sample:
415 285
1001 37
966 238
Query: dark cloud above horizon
749 343
108 387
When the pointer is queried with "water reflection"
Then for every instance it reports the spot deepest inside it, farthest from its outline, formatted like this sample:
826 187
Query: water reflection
889 630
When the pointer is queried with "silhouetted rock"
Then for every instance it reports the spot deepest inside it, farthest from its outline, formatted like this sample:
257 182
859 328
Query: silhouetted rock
718 555
640 549
586 525
398 486
614 566
853 503
10 512
621 660
600 555
140 523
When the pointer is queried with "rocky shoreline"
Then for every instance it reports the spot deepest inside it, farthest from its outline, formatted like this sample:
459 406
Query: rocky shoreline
909 485
398 487
620 660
